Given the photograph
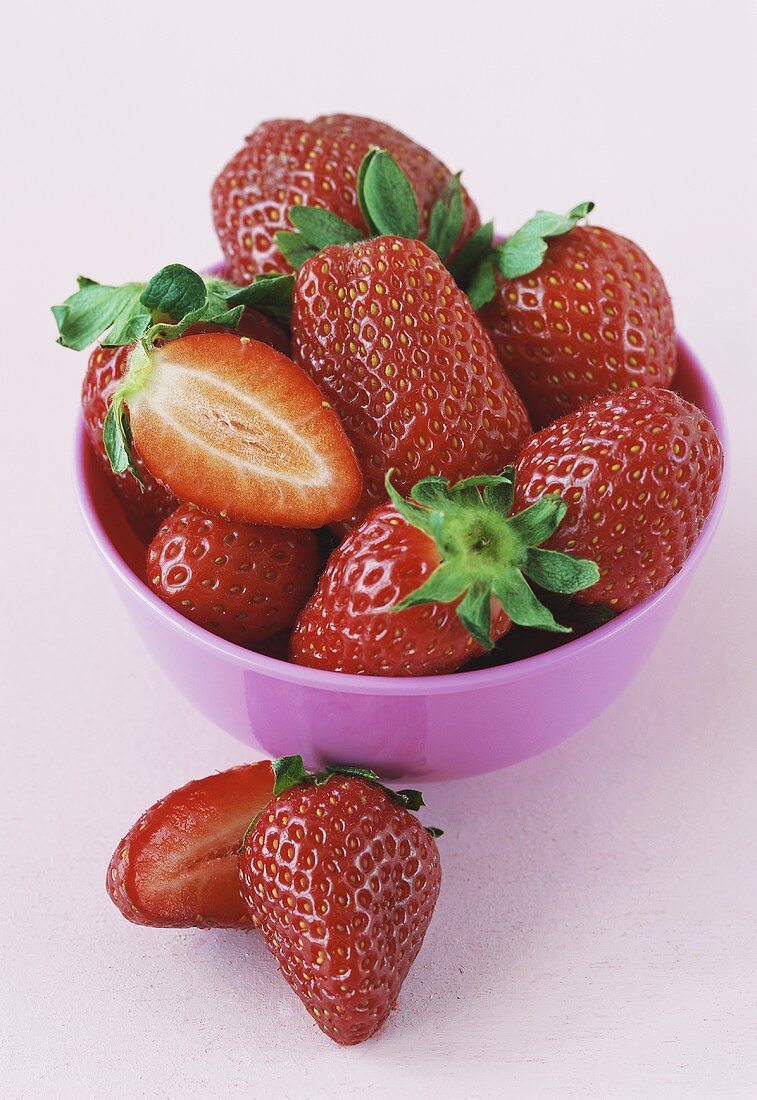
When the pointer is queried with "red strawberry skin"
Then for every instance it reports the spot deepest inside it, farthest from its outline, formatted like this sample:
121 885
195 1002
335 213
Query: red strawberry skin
243 582
144 509
288 162
595 318
639 471
342 882
396 348
177 865
348 624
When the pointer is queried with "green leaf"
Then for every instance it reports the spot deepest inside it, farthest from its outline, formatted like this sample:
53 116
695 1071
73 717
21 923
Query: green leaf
349 769
432 492
483 284
525 250
534 525
434 832
294 248
419 517
93 308
411 800
117 439
321 228
471 254
446 219
500 496
363 169
559 572
520 603
175 292
388 197
475 613
271 294
445 584
288 771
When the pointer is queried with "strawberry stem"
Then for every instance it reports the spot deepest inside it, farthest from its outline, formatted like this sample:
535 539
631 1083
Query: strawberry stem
487 554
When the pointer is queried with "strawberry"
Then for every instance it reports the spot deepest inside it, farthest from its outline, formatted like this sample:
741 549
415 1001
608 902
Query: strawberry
575 313
287 163
242 582
639 472
399 353
341 879
147 504
422 586
177 865
224 421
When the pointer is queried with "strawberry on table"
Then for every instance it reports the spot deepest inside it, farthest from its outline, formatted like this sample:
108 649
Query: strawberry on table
341 879
421 586
177 865
287 162
639 472
220 420
238 580
574 312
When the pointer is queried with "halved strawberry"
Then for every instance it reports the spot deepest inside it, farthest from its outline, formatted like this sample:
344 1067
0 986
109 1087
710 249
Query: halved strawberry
222 421
177 865
235 427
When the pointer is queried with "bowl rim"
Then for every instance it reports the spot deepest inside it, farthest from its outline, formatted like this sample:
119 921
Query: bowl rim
454 682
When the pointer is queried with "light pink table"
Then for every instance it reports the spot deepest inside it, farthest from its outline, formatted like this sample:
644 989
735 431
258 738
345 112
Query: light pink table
596 936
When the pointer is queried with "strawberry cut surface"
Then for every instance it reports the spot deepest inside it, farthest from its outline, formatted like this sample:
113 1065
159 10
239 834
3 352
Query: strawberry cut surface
235 427
177 865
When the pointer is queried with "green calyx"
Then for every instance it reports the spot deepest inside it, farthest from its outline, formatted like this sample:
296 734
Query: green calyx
487 553
175 298
389 207
478 261
289 771
143 314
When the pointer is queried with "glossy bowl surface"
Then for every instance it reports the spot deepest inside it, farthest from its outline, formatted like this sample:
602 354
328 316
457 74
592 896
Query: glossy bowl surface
438 727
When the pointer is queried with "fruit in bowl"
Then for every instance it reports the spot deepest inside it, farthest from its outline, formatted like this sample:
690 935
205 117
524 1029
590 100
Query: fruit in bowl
370 366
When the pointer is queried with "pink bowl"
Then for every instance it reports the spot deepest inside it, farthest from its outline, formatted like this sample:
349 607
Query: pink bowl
439 727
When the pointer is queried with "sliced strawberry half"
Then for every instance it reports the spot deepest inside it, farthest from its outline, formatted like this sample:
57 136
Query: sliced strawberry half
177 865
235 427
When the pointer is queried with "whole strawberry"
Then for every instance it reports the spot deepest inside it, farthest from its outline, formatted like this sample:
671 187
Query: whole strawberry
341 879
242 582
396 348
145 505
288 162
639 472
421 587
575 313
177 865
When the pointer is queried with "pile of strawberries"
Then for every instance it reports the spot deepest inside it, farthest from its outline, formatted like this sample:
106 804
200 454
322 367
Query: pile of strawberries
334 870
382 437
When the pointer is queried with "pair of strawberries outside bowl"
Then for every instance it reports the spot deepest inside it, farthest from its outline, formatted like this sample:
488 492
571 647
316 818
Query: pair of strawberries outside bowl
389 494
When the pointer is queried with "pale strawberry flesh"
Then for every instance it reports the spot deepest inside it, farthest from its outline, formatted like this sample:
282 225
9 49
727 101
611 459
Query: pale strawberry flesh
233 426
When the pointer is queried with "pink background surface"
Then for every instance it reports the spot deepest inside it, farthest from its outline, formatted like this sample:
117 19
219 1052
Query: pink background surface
596 934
